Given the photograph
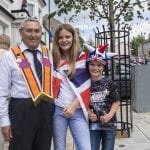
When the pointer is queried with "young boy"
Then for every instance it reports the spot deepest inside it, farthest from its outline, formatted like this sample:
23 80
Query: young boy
103 104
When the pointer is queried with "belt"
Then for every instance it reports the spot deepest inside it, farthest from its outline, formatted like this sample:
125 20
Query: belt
19 99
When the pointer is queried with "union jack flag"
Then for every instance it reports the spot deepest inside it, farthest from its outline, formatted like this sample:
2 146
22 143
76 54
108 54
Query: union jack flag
80 83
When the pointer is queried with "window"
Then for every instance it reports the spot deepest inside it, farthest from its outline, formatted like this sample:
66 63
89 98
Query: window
1 29
31 9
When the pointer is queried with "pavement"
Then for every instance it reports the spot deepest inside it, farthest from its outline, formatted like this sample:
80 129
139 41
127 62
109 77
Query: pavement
139 139
140 135
1 142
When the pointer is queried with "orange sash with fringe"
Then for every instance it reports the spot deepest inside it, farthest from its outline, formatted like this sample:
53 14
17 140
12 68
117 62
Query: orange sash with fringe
38 92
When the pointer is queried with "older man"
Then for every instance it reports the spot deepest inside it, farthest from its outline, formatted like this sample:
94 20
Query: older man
25 77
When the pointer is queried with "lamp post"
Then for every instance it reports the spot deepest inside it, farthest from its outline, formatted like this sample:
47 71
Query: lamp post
49 24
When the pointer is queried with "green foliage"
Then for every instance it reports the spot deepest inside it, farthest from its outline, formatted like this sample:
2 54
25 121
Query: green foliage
52 15
112 11
100 9
135 43
128 16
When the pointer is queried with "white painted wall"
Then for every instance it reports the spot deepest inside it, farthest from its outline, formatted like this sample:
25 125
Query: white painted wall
12 28
16 5
5 21
6 4
5 24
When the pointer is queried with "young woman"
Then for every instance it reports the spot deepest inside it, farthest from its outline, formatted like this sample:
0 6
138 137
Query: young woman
104 102
71 90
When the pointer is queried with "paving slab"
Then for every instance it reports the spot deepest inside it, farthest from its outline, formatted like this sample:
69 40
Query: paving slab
139 139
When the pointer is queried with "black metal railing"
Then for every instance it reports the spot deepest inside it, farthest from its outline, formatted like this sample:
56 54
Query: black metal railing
119 72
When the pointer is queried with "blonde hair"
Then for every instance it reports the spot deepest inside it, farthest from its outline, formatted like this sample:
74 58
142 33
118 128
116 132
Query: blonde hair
4 41
57 54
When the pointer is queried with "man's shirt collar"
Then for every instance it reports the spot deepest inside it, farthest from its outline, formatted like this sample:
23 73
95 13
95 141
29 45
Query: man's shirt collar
24 47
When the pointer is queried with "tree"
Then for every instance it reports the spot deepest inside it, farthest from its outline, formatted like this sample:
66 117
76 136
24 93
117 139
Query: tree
113 11
135 43
81 41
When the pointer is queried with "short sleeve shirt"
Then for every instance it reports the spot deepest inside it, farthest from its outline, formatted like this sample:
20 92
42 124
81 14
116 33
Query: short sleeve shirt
103 94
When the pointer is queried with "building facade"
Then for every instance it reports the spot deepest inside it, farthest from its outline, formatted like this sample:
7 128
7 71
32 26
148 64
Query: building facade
13 12
144 50
6 18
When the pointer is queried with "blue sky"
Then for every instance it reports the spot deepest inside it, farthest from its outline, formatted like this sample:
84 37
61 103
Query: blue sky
87 27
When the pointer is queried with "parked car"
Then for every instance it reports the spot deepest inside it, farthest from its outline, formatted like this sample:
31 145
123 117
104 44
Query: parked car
122 77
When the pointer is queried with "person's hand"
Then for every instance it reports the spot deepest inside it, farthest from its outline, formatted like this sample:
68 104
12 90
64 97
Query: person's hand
69 111
6 132
105 118
91 115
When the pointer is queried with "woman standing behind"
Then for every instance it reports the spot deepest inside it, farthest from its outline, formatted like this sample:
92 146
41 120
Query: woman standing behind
71 89
4 44
104 104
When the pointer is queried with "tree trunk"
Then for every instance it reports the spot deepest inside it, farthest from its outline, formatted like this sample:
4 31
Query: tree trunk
112 26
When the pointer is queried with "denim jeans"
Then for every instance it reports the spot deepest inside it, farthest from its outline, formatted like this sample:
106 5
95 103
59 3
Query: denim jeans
78 126
104 137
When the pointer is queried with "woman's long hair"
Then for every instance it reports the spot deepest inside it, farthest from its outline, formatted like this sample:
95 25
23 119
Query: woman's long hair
73 52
